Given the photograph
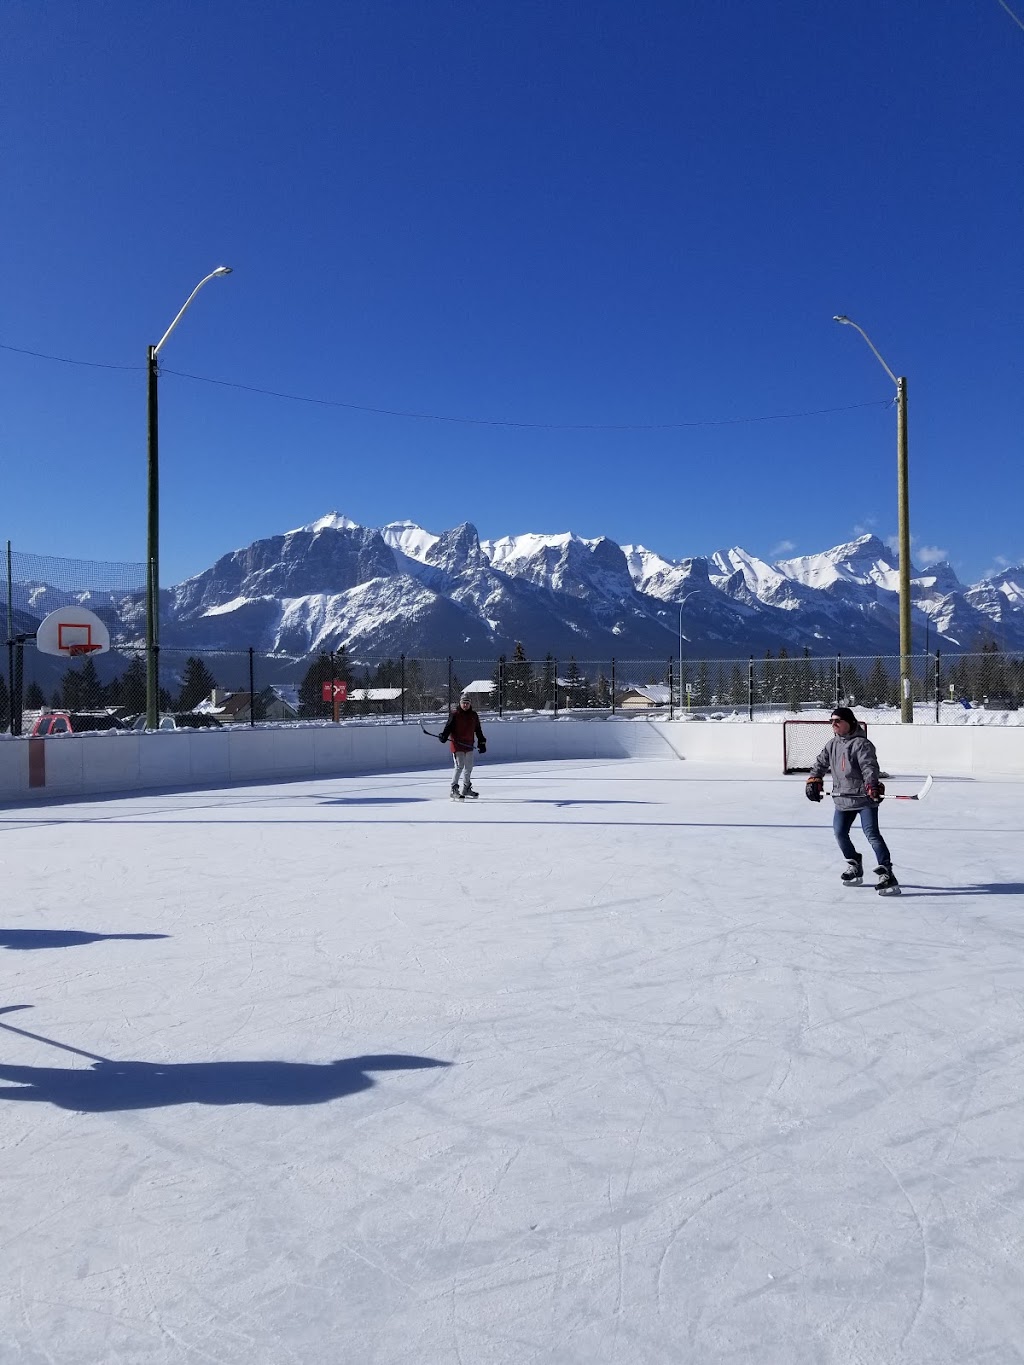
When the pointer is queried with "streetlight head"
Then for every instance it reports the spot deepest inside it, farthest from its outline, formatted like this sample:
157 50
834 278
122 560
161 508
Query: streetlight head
841 317
223 270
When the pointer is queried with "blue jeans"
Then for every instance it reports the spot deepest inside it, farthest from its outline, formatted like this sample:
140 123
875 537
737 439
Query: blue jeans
842 823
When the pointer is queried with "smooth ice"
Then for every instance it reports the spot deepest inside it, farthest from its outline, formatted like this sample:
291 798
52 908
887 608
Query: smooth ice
606 1067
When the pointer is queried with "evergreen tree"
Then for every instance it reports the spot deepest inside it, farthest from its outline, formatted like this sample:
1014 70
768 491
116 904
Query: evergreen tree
5 705
81 687
575 686
131 687
737 687
388 674
546 694
703 686
854 686
197 684
311 699
877 686
804 683
603 691
260 702
519 685
34 697
990 672
415 686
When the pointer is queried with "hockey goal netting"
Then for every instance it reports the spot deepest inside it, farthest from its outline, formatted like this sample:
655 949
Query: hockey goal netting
803 741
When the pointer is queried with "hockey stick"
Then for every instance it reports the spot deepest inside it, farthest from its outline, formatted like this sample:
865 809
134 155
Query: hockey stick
917 796
431 733
64 1047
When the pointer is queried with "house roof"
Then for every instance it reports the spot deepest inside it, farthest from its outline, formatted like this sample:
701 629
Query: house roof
480 685
654 692
374 693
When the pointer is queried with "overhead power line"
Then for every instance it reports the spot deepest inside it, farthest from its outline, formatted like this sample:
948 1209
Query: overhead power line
467 421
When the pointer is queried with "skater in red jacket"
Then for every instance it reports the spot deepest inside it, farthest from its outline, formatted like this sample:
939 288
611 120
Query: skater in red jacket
459 734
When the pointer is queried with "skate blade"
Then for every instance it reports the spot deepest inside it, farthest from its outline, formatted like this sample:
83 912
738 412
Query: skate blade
858 881
889 890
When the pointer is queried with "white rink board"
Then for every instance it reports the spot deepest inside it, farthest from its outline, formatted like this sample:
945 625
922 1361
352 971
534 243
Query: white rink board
86 765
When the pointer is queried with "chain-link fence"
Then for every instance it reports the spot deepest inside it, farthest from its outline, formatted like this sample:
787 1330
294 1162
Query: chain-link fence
206 688
199 687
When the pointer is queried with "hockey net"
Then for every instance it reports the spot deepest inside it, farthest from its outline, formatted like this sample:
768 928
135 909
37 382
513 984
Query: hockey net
803 741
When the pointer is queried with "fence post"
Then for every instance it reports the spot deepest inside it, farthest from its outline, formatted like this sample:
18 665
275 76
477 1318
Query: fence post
613 684
403 689
449 684
19 680
938 688
839 680
554 687
501 685
750 689
252 688
671 708
333 702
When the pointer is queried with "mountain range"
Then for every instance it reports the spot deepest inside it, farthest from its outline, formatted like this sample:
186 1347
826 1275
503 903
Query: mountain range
400 589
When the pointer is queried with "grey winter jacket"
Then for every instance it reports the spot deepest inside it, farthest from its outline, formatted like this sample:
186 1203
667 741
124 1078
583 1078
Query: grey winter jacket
853 763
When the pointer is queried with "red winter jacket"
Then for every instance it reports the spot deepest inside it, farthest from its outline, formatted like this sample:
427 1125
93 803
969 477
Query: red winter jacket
462 728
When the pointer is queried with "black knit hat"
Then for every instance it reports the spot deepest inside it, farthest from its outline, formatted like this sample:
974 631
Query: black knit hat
844 713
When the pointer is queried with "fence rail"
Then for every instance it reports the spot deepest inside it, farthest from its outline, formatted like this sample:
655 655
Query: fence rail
209 687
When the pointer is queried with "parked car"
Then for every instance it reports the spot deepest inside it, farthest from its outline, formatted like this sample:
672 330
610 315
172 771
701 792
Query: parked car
75 722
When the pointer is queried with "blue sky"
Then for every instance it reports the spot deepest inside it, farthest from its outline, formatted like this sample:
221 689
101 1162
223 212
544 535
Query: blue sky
625 227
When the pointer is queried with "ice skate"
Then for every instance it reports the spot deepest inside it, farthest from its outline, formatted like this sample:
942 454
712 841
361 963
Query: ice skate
471 792
887 885
854 874
456 794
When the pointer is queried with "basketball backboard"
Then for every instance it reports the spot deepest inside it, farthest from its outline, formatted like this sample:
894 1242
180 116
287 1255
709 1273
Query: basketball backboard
72 632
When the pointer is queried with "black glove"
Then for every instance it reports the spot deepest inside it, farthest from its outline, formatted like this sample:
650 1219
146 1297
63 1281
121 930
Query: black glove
442 739
813 789
875 791
482 745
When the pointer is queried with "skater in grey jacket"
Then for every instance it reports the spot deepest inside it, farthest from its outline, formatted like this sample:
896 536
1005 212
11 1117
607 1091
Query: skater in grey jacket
857 789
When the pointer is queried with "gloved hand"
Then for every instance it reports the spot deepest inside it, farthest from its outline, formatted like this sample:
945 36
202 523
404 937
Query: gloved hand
442 739
482 745
813 789
875 791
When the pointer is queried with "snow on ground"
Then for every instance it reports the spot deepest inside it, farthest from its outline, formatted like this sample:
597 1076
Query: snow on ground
606 1067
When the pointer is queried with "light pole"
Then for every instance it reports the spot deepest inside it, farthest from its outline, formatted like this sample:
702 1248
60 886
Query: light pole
682 604
903 529
692 593
153 511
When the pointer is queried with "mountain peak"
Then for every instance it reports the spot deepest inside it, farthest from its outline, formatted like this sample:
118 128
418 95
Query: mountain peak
333 521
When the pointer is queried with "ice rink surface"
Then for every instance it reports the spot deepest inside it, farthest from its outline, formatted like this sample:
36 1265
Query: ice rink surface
605 1067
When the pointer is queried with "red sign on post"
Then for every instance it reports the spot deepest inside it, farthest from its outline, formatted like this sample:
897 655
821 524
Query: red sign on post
335 691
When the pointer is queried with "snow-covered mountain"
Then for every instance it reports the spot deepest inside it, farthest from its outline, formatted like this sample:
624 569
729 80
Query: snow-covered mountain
402 589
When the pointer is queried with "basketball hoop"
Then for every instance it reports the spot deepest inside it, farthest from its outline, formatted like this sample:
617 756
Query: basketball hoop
72 632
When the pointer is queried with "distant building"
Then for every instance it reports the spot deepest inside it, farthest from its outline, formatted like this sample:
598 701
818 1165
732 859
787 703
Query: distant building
644 698
235 708
480 691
